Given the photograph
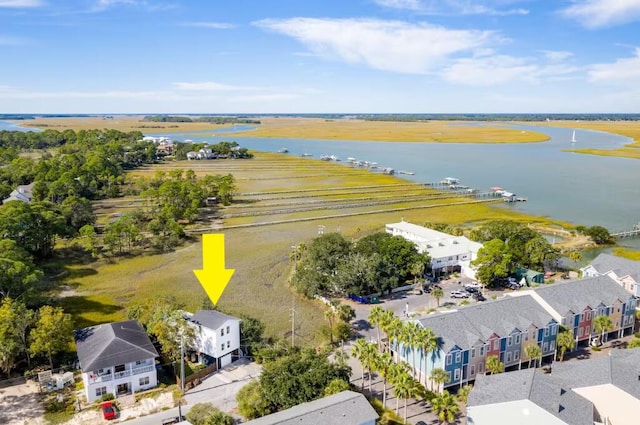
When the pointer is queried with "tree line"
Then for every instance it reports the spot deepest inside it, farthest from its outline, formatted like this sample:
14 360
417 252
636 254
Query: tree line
209 119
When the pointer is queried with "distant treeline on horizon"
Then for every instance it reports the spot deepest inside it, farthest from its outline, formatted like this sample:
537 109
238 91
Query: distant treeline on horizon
251 118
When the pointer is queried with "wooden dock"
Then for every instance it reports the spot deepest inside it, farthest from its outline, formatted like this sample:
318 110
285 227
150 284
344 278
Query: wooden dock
631 233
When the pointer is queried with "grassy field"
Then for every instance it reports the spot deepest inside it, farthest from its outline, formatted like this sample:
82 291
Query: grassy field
101 291
383 131
625 128
315 128
122 123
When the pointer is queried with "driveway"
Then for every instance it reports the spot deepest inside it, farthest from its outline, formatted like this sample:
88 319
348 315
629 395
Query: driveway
20 404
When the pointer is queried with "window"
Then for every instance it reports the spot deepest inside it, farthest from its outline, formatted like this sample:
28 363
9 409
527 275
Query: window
481 368
228 330
144 381
473 352
580 332
222 347
472 370
119 368
101 391
526 337
517 339
140 362
496 344
456 375
508 357
458 357
516 355
588 331
222 332
546 331
553 329
228 344
448 359
545 347
552 347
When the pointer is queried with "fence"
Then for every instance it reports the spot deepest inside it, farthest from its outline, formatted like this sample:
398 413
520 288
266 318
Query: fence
188 380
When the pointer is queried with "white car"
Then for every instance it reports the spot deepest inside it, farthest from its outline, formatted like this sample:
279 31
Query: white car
475 285
459 294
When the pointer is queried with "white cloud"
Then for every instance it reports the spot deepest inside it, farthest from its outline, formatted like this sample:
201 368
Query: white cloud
213 86
455 7
603 13
497 69
102 5
212 25
21 3
624 71
386 45
556 55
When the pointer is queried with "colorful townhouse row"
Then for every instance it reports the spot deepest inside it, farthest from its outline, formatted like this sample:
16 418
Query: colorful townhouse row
507 326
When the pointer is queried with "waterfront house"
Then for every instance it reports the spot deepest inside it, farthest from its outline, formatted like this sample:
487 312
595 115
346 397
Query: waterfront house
217 338
602 390
344 408
206 153
625 272
448 253
116 358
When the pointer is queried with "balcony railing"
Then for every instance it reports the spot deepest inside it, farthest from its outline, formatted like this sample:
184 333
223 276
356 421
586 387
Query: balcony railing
123 374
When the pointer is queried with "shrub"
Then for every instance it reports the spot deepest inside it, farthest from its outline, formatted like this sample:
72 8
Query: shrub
596 348
107 397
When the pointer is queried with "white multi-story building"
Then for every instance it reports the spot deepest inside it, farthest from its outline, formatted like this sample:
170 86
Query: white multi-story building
448 253
217 337
116 358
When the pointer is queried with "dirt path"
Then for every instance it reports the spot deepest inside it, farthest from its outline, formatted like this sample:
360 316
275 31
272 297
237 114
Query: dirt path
20 405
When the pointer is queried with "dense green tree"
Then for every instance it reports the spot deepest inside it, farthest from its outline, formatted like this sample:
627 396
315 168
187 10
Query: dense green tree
252 403
33 226
53 332
336 386
77 213
397 251
251 333
287 381
18 273
15 320
493 261
634 343
599 235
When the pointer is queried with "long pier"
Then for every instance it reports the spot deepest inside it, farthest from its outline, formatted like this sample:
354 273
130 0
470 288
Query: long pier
631 233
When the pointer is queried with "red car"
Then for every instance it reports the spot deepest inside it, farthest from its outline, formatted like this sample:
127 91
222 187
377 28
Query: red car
108 410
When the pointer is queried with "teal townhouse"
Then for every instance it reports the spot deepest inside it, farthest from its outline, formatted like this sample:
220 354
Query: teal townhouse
507 326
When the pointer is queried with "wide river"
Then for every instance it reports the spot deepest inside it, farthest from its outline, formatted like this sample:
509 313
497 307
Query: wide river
582 189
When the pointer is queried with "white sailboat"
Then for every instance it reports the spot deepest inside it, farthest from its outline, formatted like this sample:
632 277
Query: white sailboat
573 138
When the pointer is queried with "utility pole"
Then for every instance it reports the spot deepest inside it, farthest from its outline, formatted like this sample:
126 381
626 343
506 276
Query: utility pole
181 376
293 325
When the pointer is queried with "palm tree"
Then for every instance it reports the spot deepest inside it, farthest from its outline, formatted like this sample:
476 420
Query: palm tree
330 315
439 376
533 352
463 393
576 257
384 363
380 317
358 351
564 341
406 387
427 343
602 324
494 365
398 372
437 293
417 269
412 331
445 406
368 353
394 329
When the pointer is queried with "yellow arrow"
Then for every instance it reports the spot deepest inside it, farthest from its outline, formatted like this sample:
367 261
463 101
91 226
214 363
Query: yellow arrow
213 277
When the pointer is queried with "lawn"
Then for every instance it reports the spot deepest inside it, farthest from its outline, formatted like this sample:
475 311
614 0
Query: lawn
100 292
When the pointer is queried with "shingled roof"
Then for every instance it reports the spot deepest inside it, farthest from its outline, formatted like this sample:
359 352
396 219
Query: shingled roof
211 319
345 408
605 263
468 326
112 344
576 295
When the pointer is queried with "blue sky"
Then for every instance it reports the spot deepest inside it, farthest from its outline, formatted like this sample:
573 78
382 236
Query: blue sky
312 56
